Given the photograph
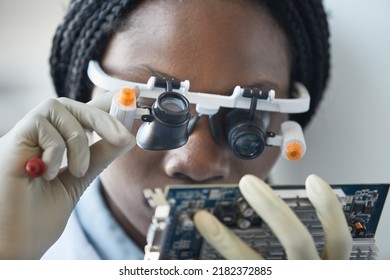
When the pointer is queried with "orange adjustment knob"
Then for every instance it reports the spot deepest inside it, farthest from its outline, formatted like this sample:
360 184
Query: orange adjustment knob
127 96
294 151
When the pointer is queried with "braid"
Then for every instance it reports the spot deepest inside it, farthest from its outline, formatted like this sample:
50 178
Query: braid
89 25
83 35
306 27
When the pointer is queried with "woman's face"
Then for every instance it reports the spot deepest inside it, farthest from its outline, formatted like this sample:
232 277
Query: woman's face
216 45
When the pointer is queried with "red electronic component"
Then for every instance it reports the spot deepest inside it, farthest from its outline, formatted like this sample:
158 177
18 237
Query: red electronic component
35 167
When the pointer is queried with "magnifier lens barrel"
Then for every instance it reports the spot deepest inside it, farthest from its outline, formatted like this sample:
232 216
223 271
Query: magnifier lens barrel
246 138
169 128
171 108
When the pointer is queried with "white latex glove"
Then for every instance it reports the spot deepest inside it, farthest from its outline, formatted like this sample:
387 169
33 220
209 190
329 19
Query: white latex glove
292 234
34 211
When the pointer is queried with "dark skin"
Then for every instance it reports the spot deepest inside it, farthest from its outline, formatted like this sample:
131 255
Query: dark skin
216 45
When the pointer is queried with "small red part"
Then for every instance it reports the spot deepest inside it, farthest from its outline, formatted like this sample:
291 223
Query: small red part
35 167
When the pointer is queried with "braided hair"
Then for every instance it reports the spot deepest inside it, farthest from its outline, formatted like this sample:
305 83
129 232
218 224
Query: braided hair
90 24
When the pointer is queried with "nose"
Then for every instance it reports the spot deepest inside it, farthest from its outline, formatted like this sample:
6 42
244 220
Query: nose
201 159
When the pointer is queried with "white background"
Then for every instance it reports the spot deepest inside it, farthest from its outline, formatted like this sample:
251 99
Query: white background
348 140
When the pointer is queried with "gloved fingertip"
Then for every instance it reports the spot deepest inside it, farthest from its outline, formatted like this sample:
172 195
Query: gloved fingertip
77 172
206 224
78 161
126 139
115 132
313 178
49 175
249 183
316 185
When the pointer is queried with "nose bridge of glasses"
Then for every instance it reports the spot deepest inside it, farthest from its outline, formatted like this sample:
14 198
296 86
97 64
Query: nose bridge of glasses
209 112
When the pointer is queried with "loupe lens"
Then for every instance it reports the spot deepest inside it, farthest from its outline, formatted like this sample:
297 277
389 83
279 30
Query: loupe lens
173 104
248 145
247 141
246 138
171 108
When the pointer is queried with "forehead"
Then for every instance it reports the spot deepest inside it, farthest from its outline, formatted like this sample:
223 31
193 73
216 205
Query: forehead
215 44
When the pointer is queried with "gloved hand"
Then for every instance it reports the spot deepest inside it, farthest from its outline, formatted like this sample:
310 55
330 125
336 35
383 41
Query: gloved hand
34 211
292 234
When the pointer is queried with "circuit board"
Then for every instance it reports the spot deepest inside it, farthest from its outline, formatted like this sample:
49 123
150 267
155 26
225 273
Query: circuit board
173 235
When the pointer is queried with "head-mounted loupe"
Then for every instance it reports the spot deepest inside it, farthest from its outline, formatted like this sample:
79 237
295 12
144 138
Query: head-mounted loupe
168 127
168 124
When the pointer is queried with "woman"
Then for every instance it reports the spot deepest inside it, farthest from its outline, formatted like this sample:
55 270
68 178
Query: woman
216 45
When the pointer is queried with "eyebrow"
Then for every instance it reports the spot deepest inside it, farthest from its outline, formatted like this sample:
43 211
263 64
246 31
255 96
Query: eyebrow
264 85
